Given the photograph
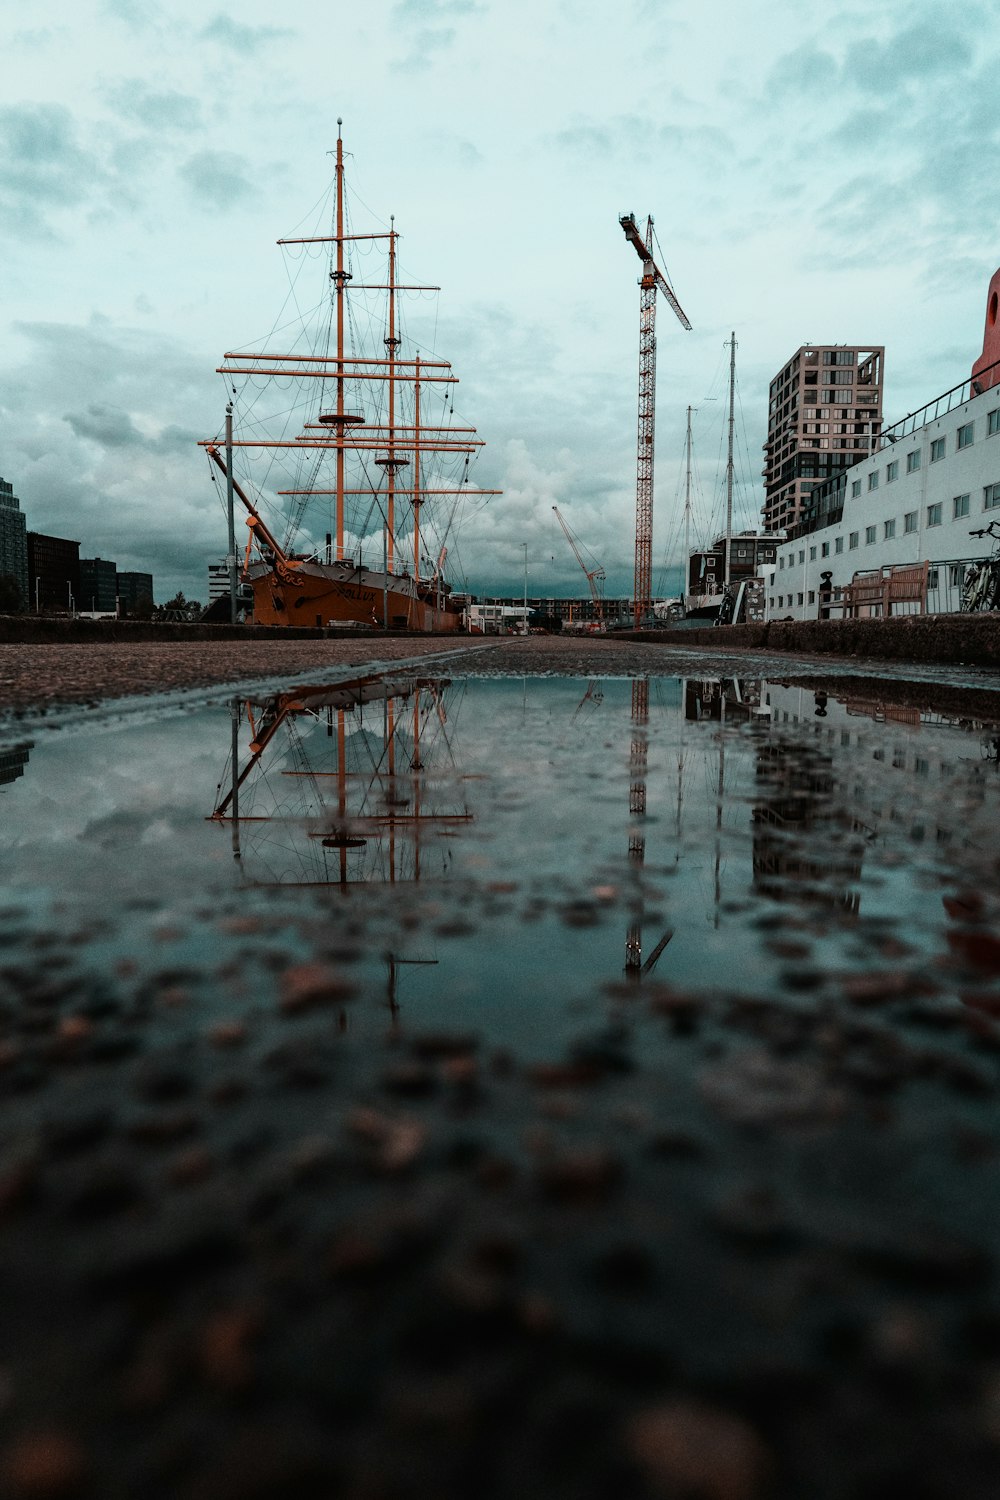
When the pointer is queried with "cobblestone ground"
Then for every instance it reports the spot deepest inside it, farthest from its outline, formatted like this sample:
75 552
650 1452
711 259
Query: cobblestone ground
33 675
39 676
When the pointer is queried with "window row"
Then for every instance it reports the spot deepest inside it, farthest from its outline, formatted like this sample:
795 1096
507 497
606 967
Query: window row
964 438
934 517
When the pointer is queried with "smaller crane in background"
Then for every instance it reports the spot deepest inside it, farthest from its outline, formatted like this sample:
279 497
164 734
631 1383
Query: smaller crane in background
593 575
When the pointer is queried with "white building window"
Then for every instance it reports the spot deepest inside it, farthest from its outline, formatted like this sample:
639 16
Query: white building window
855 488
960 507
889 529
869 535
934 515
892 471
838 545
937 449
965 435
910 521
872 480
993 422
913 461
853 540
991 497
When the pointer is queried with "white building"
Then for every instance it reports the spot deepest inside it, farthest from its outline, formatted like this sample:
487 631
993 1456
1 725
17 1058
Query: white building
933 478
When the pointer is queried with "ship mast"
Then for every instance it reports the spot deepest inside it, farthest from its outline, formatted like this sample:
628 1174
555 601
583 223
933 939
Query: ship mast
416 472
687 516
340 428
729 461
340 276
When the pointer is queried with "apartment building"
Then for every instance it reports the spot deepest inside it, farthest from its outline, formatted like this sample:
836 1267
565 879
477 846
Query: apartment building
824 414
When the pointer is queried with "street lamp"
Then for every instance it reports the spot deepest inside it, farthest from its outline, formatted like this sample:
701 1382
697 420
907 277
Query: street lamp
37 606
524 618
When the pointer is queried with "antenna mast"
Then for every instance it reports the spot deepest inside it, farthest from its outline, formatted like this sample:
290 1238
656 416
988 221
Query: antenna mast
687 514
729 462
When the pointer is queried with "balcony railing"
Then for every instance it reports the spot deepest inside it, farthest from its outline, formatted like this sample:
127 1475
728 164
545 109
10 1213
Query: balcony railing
939 407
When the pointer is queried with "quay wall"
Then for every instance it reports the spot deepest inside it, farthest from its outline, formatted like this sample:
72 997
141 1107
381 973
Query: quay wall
972 640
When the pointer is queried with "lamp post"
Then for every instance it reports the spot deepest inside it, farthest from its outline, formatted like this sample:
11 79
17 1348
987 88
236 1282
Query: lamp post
524 618
37 605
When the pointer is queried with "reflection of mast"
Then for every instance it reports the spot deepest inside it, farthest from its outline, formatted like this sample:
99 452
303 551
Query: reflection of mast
382 811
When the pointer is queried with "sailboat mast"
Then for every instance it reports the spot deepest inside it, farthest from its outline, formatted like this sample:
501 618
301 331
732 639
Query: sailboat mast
416 471
687 513
729 462
391 344
340 278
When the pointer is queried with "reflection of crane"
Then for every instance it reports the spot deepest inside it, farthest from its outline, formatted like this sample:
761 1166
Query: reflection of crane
594 575
634 966
652 277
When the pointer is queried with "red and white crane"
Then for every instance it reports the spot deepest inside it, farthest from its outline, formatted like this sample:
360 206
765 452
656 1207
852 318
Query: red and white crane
651 279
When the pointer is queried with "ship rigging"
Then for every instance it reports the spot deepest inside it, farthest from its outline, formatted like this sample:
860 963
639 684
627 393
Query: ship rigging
374 453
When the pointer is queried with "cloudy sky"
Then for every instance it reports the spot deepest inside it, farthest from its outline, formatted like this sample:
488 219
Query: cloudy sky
823 177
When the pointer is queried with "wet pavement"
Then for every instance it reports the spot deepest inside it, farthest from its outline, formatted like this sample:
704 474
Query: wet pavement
436 1081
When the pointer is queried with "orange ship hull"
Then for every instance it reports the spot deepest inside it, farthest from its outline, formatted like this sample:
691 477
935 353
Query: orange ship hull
340 594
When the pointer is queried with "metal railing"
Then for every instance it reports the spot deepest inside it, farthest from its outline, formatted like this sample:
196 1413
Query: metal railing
974 385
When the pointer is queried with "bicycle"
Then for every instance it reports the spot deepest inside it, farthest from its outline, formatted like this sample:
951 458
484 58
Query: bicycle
981 588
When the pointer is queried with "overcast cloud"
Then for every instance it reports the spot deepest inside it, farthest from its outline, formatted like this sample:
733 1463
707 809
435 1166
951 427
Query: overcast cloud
811 178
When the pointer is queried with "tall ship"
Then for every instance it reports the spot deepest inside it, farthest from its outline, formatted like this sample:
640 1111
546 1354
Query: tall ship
341 445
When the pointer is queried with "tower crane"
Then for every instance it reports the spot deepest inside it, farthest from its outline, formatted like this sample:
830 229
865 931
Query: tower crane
651 279
594 575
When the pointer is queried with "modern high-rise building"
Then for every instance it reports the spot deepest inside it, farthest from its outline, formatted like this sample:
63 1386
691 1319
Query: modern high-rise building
825 412
98 585
135 593
13 540
53 571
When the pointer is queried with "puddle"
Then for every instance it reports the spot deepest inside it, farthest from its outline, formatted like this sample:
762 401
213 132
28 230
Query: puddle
506 853
389 1068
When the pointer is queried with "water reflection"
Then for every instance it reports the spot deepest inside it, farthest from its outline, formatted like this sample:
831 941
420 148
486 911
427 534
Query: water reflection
344 785
13 762
510 845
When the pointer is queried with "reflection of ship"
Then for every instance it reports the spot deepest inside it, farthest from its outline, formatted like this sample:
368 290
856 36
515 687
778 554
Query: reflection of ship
343 785
376 443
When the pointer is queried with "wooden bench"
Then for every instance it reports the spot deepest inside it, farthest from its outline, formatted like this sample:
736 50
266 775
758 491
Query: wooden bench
886 591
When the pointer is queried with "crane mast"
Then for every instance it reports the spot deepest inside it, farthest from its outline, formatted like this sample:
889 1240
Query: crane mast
652 279
592 574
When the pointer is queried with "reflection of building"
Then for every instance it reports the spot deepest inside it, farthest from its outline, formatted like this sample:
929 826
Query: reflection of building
825 413
12 763
13 540
53 571
135 592
98 585
806 846
722 699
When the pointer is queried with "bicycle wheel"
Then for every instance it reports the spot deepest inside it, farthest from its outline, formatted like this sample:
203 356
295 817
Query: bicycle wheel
969 589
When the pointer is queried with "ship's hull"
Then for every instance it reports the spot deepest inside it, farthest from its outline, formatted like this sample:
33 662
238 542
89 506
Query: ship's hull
340 594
